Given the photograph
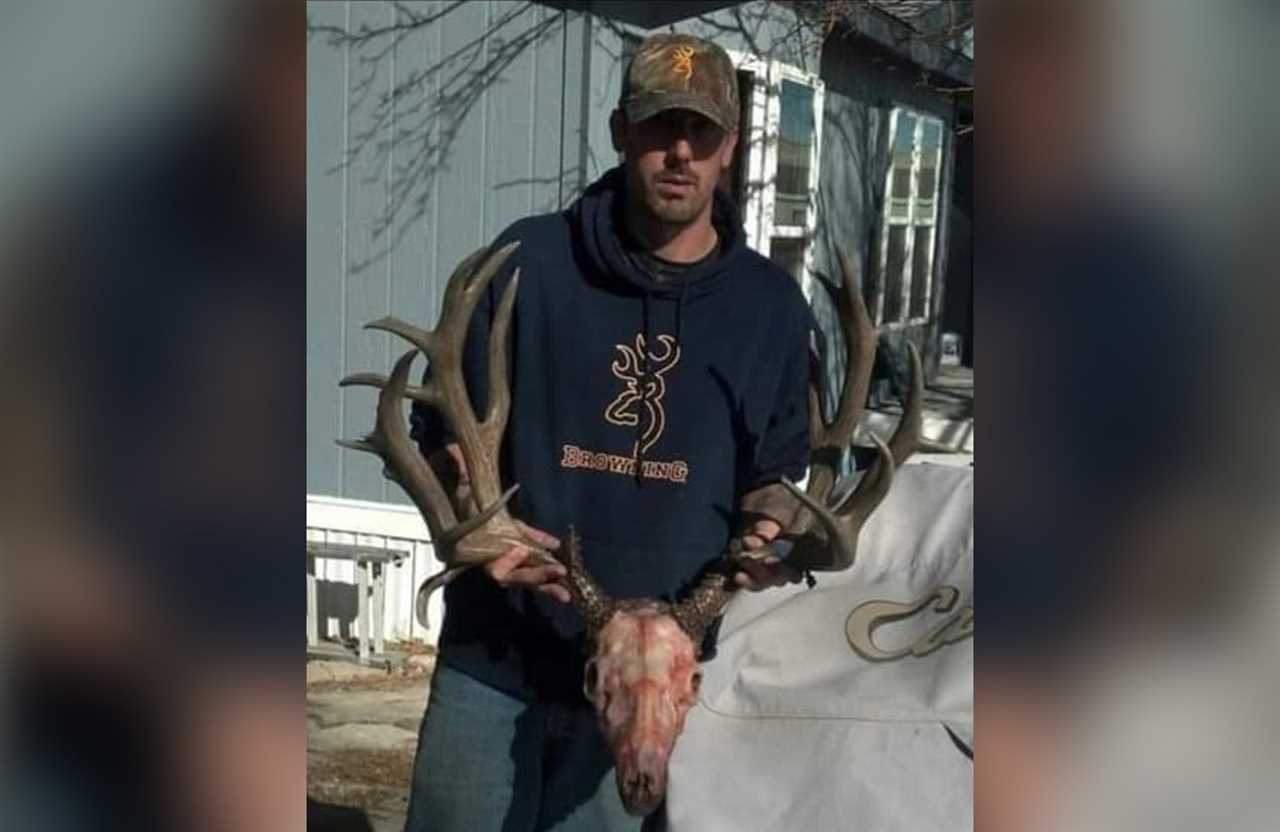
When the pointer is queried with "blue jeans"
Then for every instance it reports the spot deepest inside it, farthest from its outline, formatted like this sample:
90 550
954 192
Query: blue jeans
489 762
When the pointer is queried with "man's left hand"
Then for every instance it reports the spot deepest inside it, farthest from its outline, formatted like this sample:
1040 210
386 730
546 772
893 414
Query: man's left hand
760 569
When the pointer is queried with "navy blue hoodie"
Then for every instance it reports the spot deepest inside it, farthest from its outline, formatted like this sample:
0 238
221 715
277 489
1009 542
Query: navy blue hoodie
641 412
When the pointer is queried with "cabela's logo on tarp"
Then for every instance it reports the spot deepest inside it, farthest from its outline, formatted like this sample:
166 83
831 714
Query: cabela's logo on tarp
866 618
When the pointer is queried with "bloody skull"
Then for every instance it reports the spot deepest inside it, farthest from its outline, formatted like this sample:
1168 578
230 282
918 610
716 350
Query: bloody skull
643 676
642 680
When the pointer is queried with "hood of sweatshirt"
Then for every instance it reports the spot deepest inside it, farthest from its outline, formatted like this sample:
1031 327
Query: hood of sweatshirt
598 222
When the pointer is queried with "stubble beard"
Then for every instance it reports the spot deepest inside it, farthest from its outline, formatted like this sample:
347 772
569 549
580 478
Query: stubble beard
677 212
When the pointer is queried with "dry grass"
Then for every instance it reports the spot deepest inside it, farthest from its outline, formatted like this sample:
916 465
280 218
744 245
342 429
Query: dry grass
405 678
364 779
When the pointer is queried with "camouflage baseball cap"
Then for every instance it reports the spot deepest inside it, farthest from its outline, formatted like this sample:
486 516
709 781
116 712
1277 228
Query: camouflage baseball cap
684 72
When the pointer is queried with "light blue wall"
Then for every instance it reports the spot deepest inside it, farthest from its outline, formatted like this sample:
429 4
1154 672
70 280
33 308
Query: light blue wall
424 140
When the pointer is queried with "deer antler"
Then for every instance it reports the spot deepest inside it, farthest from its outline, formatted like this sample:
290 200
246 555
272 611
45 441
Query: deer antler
841 523
824 537
488 534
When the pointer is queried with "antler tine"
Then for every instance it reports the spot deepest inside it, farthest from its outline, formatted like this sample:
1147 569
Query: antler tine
463 290
838 549
860 354
390 440
469 525
829 442
417 336
499 405
421 338
425 339
906 438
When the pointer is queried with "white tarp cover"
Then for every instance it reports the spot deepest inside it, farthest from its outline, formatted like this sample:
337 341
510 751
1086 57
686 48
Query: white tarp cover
795 729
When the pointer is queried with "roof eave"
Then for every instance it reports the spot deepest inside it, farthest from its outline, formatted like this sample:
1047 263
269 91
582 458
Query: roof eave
904 40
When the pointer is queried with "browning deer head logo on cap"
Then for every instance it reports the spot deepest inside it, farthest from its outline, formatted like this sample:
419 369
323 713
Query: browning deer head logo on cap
682 63
649 387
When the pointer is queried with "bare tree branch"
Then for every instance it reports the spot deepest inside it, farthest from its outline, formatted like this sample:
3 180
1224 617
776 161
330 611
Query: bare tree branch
411 21
406 130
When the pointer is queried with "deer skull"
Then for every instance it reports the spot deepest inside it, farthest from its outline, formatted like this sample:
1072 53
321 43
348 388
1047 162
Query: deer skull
642 680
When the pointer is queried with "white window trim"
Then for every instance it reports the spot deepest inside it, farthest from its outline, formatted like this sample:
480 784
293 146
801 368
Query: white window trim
911 221
762 137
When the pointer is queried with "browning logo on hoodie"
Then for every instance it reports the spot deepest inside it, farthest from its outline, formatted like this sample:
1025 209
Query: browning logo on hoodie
643 375
642 372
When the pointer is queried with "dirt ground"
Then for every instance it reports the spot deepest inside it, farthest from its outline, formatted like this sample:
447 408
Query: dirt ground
362 728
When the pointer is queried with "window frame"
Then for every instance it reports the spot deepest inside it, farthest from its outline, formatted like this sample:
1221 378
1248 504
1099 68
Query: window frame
911 222
761 145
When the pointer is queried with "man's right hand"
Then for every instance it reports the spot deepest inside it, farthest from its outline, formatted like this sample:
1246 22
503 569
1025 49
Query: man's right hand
509 570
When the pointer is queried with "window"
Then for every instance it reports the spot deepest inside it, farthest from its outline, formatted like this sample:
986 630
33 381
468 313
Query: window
736 184
908 234
776 166
795 144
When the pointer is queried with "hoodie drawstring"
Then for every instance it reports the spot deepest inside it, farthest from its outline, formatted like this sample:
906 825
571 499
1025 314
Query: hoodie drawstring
646 374
644 388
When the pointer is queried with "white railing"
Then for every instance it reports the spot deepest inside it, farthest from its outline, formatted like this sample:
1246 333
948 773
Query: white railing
379 526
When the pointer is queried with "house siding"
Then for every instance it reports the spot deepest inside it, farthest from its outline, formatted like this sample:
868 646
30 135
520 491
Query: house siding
487 129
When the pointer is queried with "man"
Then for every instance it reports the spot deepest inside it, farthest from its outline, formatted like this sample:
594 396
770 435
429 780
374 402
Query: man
659 380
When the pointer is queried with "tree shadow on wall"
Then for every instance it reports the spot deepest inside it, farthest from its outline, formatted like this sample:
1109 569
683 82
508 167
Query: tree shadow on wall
405 127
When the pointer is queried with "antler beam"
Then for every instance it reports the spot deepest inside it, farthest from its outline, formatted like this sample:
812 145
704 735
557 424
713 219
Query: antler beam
490 531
